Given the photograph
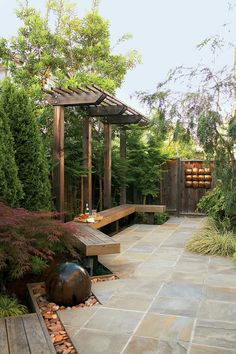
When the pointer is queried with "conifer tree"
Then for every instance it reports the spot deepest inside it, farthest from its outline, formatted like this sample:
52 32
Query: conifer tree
29 151
10 186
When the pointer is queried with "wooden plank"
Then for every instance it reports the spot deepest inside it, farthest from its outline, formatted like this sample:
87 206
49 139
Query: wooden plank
17 339
36 339
4 349
40 318
96 250
107 165
94 242
169 184
74 99
142 208
178 185
113 214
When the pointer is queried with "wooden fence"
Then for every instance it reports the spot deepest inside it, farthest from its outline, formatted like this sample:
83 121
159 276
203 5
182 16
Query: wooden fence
173 191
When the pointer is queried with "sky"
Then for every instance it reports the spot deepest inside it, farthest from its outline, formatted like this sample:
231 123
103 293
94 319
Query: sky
165 32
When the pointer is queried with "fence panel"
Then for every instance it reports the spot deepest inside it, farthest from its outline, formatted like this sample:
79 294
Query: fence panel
173 191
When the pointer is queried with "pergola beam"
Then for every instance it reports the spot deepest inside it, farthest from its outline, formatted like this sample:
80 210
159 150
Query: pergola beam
123 119
102 111
75 99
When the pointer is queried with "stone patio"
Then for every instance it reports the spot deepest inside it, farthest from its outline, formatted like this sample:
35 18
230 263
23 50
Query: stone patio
166 301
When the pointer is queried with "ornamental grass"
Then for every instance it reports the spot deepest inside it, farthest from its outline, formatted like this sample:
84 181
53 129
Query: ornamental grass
210 240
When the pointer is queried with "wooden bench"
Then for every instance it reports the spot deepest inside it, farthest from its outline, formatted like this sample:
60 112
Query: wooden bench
114 214
24 335
93 242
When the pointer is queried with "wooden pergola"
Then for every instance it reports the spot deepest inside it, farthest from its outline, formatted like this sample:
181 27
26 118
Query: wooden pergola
94 102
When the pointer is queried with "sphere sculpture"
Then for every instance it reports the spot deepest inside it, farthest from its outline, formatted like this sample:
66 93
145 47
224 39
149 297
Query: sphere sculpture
68 284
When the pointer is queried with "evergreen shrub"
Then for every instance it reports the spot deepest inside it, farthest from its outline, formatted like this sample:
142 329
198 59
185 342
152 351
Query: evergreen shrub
30 157
10 185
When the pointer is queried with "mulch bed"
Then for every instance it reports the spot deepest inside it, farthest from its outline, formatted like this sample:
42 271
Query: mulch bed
59 337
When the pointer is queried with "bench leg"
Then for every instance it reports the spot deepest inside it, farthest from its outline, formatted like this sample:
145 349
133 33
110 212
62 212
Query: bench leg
117 226
151 218
90 263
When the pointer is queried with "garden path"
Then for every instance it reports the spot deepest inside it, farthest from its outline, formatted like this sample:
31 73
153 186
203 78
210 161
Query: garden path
166 301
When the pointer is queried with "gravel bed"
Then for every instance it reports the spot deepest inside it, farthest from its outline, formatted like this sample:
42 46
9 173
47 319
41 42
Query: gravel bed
58 335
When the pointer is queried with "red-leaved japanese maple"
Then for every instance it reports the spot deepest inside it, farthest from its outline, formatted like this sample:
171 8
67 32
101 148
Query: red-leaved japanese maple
26 237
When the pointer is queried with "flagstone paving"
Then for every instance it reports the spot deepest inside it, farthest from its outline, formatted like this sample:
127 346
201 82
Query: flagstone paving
166 300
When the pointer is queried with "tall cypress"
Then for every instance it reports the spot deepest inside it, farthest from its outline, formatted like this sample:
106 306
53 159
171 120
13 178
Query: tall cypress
10 186
29 150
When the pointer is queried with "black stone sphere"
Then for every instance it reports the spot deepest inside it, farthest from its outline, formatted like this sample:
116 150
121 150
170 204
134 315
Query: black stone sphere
68 284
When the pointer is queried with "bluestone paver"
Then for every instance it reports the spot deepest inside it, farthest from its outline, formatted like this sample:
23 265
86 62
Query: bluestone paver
167 300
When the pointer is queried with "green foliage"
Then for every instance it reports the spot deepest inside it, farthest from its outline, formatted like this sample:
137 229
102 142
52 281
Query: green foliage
141 218
213 204
144 162
30 156
28 241
160 218
64 47
59 48
10 185
219 204
198 114
9 306
175 139
38 265
207 132
234 256
210 240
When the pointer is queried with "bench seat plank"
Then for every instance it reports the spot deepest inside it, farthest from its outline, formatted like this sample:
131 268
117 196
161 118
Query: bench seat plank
17 339
35 336
119 212
93 242
25 335
113 214
143 208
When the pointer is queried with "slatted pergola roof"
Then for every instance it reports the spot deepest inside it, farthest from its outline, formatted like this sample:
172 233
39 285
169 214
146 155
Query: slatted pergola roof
96 103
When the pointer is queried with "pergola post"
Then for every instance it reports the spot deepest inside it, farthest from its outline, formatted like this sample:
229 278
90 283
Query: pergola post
58 157
87 163
107 165
123 157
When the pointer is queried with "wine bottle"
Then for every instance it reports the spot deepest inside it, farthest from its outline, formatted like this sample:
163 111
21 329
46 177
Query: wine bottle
86 209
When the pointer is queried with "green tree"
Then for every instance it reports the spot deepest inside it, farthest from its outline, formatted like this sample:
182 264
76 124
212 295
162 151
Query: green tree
29 151
203 111
59 49
144 162
10 186
64 49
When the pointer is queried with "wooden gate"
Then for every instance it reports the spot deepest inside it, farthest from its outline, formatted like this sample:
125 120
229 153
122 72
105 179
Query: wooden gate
174 193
